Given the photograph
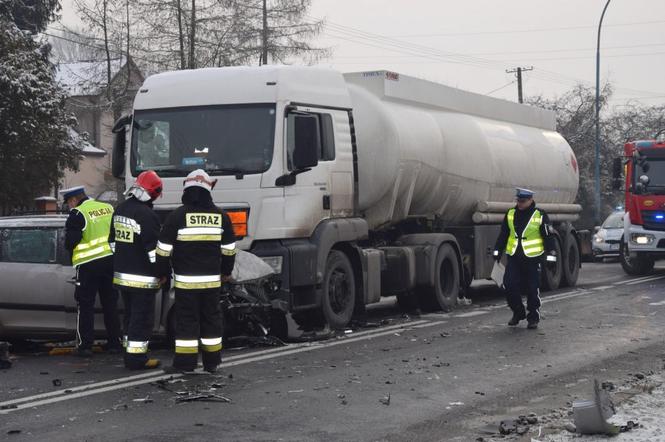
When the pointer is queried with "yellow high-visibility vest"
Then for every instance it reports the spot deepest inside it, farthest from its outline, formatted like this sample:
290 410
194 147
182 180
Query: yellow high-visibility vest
532 241
95 241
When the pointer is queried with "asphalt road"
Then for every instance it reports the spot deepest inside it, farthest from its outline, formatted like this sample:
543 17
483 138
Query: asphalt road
429 378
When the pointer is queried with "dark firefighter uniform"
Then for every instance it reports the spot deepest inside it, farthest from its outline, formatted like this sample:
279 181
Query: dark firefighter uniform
86 238
525 236
197 241
135 231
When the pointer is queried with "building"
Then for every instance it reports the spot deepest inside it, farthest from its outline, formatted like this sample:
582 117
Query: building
96 108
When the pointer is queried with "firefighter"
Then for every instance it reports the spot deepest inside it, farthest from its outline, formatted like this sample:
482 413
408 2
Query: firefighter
525 236
134 236
197 241
86 238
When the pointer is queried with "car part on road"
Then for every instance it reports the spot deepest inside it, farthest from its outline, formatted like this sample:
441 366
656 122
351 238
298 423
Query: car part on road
591 415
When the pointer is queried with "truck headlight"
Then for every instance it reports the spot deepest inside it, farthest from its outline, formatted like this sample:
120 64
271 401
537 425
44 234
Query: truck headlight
642 238
275 262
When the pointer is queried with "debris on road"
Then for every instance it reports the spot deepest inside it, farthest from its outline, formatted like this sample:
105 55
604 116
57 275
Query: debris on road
207 397
385 400
145 400
5 363
591 415
57 382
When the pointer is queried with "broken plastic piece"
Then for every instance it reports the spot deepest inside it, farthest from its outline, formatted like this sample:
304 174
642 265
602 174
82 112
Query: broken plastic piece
591 415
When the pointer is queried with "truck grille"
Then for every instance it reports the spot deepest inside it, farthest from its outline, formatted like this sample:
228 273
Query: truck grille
653 219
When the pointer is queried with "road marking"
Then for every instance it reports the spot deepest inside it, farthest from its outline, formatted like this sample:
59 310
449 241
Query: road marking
603 287
633 280
657 303
646 280
470 314
568 296
146 378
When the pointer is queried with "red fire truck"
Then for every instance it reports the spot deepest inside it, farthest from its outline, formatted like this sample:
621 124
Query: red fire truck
643 239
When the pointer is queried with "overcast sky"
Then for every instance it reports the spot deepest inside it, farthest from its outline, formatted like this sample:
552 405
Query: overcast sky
470 44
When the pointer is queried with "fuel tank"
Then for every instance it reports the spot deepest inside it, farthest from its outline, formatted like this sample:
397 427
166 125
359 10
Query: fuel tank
425 149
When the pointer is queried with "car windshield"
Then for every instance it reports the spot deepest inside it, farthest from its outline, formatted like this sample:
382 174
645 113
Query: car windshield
614 221
222 140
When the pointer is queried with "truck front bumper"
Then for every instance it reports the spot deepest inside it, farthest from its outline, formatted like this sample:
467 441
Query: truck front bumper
640 240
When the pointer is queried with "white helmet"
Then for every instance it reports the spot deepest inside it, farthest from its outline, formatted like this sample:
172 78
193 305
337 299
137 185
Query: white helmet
201 179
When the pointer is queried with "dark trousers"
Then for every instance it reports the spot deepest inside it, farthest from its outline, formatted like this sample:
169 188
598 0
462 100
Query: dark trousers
522 278
139 320
198 316
93 277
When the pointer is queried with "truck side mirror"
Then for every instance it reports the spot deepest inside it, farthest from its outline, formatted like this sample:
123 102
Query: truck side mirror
119 146
307 142
617 169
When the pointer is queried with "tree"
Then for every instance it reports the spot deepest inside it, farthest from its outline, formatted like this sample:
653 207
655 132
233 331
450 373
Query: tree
32 16
278 30
575 122
35 139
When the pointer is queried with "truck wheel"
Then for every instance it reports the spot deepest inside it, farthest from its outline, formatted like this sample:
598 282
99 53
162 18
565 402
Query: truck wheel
443 295
571 261
639 265
551 271
339 290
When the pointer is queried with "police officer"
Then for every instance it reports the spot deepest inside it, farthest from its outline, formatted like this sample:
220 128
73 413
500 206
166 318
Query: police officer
197 240
525 236
86 238
134 236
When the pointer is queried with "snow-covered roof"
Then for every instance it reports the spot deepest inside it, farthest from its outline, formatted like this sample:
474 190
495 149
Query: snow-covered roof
86 77
88 149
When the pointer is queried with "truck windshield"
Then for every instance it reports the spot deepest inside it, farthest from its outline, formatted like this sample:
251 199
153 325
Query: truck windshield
233 140
655 172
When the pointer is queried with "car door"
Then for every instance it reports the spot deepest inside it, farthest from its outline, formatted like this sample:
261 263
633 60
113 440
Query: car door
34 283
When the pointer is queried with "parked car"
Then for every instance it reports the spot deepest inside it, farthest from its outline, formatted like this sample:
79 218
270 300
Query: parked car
37 290
607 239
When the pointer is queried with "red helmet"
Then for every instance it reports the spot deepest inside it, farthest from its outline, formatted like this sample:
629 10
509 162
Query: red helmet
150 182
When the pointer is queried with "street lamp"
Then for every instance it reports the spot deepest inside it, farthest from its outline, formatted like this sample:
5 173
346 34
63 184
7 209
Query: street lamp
597 171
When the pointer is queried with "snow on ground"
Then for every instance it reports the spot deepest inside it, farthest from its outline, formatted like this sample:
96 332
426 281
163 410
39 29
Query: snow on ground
646 409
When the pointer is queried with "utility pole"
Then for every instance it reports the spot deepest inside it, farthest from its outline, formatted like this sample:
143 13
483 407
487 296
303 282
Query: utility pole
519 71
264 51
597 118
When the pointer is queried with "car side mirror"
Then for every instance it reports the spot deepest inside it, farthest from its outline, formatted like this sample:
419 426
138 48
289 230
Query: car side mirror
119 146
306 142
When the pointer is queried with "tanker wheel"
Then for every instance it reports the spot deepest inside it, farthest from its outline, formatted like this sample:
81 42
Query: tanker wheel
551 271
339 290
443 295
571 261
639 265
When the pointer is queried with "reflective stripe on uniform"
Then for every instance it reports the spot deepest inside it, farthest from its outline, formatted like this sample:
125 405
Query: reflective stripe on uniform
200 234
211 344
229 249
152 256
101 250
112 245
186 346
164 249
198 282
137 347
91 243
135 281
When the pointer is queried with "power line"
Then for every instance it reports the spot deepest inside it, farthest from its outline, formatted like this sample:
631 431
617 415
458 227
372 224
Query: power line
522 31
499 88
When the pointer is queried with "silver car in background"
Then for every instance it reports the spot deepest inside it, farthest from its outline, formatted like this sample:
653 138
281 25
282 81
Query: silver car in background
607 239
37 286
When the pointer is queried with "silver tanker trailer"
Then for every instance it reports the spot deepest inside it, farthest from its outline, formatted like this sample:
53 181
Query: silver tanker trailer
356 186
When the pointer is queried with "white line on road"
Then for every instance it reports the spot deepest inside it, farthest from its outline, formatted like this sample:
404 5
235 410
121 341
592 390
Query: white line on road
470 314
603 287
146 378
657 303
633 280
646 280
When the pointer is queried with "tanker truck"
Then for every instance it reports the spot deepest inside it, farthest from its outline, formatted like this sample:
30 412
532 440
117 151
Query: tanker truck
355 186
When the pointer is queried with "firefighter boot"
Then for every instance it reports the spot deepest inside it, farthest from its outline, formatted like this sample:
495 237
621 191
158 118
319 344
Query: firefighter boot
517 317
